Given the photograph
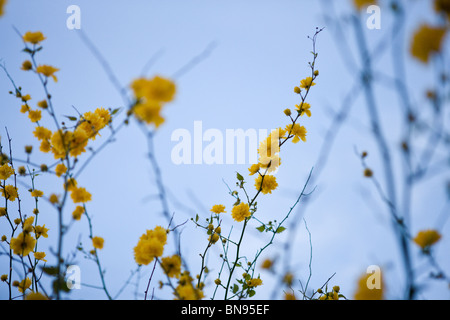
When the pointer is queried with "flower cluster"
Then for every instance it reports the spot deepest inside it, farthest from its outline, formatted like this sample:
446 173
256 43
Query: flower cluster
150 96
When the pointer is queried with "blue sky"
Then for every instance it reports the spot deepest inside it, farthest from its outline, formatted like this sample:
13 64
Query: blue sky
261 52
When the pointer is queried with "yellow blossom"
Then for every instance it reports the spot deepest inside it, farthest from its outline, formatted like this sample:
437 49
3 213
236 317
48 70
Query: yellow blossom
40 256
240 212
266 183
307 83
427 40
36 296
6 171
304 108
41 231
37 193
364 292
171 266
47 71
98 242
60 169
42 133
427 238
150 245
34 115
76 214
218 208
42 104
54 199
255 282
24 285
254 169
26 65
10 192
33 37
299 132
23 244
80 195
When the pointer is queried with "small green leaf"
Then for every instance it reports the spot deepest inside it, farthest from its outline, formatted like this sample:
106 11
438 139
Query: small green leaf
262 228
71 118
53 271
280 229
239 176
196 218
115 111
235 288
251 293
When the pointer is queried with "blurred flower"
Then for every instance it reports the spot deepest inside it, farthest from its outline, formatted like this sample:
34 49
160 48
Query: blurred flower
427 40
33 37
427 238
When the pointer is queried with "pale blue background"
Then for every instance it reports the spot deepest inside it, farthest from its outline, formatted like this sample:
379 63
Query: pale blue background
246 82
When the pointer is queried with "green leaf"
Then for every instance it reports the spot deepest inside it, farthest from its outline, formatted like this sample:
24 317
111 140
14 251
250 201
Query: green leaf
262 228
251 293
196 218
53 271
71 118
280 229
235 288
115 111
239 176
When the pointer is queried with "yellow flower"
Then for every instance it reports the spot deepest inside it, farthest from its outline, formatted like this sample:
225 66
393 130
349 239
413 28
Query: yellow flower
47 71
24 285
427 238
157 89
213 238
304 109
36 193
254 169
6 171
80 194
171 266
149 112
33 37
34 115
24 108
23 244
240 212
363 292
98 242
255 282
42 104
266 184
42 133
289 296
267 264
60 169
362 4
10 192
150 245
71 184
35 296
26 65
41 231
299 132
54 199
45 146
307 83
40 256
218 208
93 122
427 40
76 214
